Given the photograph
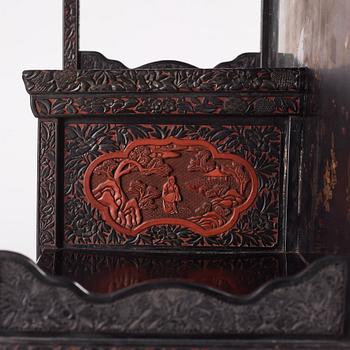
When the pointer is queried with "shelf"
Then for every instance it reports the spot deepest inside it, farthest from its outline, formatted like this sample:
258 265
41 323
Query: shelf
237 274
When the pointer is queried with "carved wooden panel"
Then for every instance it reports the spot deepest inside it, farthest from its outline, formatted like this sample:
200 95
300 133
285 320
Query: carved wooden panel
173 185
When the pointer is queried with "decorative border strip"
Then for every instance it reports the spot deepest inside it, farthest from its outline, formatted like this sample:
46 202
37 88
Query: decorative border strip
171 105
311 303
164 80
47 185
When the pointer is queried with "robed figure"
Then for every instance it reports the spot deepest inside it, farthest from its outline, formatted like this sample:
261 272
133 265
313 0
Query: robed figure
171 196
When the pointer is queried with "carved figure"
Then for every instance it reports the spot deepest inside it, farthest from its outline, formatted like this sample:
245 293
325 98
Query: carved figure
171 195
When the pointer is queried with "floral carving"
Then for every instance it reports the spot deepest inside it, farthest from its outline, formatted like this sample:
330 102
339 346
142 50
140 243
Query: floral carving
310 304
47 184
181 105
260 145
167 80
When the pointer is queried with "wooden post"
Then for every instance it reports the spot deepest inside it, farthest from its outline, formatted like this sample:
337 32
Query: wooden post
269 33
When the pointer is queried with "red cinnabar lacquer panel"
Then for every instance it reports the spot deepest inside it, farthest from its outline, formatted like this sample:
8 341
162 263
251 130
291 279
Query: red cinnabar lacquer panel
172 185
170 181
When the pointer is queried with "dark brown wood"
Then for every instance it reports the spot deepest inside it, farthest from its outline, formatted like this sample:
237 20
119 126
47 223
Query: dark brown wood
317 36
269 32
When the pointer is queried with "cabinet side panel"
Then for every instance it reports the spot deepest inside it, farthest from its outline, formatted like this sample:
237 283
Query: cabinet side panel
316 34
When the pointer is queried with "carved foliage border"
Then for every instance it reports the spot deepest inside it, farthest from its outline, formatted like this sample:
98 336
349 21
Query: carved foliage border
47 184
313 304
166 80
258 227
179 105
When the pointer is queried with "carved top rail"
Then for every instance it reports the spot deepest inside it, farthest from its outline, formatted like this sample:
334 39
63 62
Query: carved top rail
192 91
165 80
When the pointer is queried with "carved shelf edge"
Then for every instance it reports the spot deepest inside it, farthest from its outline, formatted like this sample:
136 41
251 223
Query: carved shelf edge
309 304
219 80
179 105
219 91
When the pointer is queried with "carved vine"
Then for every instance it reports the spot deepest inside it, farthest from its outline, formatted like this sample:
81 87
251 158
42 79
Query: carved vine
47 184
171 80
183 105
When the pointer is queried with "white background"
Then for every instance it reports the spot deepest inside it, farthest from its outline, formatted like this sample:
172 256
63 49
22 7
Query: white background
201 32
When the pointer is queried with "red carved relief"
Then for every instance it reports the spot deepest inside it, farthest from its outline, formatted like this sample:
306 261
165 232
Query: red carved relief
170 181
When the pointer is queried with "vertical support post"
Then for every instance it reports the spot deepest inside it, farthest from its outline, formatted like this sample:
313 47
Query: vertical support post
47 188
71 34
269 32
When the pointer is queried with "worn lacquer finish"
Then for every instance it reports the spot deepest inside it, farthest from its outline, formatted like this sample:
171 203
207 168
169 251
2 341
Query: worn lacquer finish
316 34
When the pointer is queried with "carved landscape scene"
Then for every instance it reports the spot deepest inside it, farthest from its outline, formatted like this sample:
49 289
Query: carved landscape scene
172 185
170 181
